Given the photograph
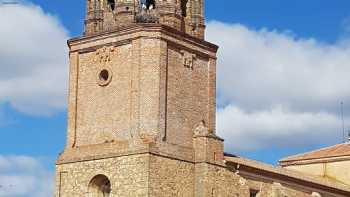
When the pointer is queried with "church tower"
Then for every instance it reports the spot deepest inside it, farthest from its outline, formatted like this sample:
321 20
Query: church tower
141 107
183 15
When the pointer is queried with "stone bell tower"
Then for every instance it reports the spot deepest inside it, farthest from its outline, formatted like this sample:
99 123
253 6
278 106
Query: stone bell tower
183 15
141 115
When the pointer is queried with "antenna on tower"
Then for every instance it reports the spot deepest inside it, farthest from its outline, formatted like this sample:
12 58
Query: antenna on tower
342 119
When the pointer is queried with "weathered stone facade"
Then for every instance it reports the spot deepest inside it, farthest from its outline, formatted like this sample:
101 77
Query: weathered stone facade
126 173
142 106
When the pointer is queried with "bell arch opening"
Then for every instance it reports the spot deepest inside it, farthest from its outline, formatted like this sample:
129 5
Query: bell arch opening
184 7
111 4
148 4
99 186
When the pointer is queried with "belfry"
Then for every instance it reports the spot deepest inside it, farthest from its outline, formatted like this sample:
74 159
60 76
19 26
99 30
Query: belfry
183 15
142 107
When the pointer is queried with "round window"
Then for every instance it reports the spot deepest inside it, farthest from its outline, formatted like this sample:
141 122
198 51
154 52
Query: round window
104 77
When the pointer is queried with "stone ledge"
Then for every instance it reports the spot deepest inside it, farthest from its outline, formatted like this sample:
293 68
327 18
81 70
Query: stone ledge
111 150
133 28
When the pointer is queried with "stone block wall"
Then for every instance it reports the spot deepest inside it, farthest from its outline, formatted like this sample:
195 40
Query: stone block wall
128 176
154 175
170 177
275 189
218 181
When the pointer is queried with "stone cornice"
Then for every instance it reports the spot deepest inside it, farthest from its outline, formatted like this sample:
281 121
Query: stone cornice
119 149
134 28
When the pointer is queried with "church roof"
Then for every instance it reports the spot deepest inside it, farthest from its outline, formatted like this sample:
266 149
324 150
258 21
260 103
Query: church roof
257 169
330 153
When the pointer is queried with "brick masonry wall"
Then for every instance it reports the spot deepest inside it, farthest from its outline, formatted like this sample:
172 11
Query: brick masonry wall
137 126
103 112
149 95
187 95
152 75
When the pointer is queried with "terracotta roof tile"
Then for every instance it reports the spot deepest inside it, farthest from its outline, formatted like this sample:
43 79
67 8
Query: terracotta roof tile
287 173
338 150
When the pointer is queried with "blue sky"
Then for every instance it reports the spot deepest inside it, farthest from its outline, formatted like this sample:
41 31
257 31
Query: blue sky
44 136
305 42
313 18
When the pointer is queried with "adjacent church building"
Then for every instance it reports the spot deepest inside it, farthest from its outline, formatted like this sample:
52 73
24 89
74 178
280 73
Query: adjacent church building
142 110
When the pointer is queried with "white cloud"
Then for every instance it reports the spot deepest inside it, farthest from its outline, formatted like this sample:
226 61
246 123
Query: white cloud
33 60
277 127
261 69
272 86
22 176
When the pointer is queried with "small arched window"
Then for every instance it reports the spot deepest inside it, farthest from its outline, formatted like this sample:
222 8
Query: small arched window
111 4
99 186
